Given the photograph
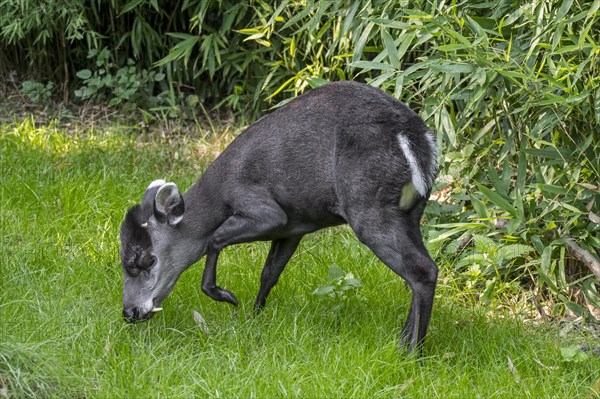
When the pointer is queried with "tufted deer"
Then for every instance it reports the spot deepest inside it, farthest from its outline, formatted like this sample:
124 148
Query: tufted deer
342 153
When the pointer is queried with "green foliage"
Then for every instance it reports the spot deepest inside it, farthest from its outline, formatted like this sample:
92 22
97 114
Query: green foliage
573 354
37 92
513 95
340 285
487 267
124 85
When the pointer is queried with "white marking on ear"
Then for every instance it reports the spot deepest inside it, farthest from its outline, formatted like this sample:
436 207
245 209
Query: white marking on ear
169 203
418 180
157 183
175 220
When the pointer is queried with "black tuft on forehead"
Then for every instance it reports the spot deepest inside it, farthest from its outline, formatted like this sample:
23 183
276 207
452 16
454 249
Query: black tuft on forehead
134 237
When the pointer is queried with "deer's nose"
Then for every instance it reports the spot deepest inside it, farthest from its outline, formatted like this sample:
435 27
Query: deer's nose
131 315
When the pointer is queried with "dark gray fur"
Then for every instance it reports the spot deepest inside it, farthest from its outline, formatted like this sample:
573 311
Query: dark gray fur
329 157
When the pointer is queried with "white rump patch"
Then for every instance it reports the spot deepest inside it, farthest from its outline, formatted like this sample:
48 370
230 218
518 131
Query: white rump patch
418 179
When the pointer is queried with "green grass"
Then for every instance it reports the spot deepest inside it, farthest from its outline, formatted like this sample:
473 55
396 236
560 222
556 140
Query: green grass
61 332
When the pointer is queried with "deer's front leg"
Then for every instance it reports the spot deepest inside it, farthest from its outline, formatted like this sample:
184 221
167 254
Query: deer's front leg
209 281
258 221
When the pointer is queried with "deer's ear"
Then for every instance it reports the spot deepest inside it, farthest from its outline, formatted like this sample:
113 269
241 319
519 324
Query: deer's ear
168 204
148 198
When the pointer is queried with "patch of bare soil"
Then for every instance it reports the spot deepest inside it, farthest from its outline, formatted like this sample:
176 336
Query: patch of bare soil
15 106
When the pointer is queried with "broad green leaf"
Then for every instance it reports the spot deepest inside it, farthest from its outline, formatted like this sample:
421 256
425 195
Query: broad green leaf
250 31
417 14
335 273
513 251
452 47
593 8
484 244
181 50
448 126
498 200
303 13
349 18
390 23
537 244
564 9
405 42
577 17
391 49
573 354
549 282
546 260
282 87
511 18
575 308
84 74
369 65
362 41
459 229
512 74
479 207
255 36
453 68
381 78
316 82
548 153
571 208
324 290
464 226
552 189
130 6
353 282
275 16
561 276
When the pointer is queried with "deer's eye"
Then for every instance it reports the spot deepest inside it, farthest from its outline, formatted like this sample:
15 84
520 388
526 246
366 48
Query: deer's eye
133 270
145 260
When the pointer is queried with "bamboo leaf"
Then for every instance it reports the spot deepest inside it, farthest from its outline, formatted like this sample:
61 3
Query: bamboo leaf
479 207
130 6
391 49
453 68
564 9
406 41
362 41
452 47
498 200
369 65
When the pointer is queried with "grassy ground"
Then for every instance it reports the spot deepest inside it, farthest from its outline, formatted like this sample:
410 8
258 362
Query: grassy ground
61 332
